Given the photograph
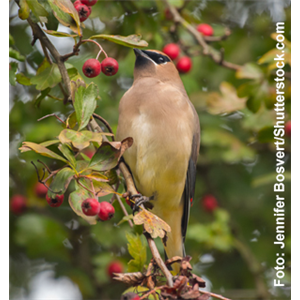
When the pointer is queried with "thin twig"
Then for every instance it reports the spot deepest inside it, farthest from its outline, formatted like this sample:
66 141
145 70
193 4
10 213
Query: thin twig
52 115
124 210
158 259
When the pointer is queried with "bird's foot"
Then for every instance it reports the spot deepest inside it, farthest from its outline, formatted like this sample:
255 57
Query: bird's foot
138 201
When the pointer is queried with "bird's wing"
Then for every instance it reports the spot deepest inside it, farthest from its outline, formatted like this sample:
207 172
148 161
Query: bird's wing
189 189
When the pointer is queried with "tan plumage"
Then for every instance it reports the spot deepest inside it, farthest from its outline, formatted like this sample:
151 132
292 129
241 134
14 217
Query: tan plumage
157 113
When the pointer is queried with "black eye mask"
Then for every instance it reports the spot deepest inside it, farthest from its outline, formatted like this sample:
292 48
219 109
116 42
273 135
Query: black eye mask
157 57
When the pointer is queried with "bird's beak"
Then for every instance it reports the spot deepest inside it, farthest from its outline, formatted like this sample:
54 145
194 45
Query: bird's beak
139 52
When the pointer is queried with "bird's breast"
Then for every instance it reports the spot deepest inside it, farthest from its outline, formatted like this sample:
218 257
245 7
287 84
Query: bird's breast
159 156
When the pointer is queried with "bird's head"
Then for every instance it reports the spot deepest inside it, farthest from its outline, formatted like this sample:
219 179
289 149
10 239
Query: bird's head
154 63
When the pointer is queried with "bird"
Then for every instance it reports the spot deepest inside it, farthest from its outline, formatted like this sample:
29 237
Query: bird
158 114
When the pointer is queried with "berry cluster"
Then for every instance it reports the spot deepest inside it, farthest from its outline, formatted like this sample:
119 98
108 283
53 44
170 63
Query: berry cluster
104 210
92 67
90 206
184 63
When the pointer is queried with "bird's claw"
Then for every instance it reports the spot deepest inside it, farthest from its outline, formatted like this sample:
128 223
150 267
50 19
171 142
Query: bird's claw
138 201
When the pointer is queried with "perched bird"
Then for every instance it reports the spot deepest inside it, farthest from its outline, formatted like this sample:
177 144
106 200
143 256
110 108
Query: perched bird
157 113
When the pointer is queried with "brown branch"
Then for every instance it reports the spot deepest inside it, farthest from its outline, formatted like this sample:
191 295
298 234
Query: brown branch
158 259
206 49
214 295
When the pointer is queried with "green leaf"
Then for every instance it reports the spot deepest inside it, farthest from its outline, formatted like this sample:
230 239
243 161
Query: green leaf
16 54
265 135
60 34
41 96
38 10
22 79
250 71
228 147
138 250
71 120
67 152
61 182
80 139
85 104
75 200
41 235
68 7
48 77
63 17
132 41
24 10
38 148
253 103
13 67
108 154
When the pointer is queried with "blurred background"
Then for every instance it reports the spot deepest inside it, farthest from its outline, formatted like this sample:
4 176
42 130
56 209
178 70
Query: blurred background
54 254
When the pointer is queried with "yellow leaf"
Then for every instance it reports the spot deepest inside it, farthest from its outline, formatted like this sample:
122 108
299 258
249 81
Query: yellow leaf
155 226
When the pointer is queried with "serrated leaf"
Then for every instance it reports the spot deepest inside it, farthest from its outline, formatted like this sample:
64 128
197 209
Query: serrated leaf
249 71
225 102
75 200
138 250
108 154
38 148
48 77
132 41
155 226
85 104
61 182
80 139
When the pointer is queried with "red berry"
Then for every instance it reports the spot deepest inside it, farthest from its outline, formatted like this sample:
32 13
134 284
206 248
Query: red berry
109 66
172 50
114 267
106 211
18 204
55 202
130 296
40 190
90 207
83 11
91 68
89 2
209 203
205 29
77 2
184 64
168 14
292 128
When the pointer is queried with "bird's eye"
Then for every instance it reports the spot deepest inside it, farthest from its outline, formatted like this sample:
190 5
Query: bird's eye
161 59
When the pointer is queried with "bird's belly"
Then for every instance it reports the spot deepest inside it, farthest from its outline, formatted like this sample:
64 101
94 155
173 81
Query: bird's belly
159 167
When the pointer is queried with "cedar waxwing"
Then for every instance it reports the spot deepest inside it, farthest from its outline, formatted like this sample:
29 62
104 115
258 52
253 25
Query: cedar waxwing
157 113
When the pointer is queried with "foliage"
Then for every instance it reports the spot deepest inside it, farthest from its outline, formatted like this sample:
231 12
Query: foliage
237 154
